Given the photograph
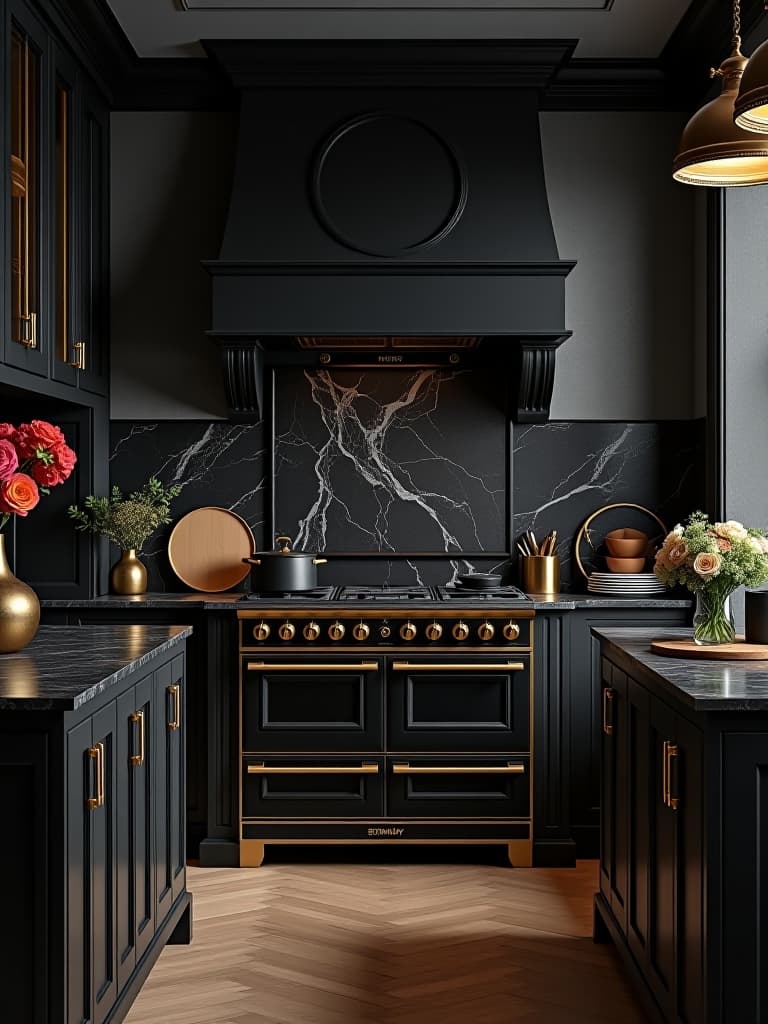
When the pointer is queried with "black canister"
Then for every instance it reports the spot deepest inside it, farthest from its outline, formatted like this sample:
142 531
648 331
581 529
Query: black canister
756 616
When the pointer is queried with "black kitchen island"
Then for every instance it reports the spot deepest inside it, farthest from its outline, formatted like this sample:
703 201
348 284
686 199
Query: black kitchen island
684 828
92 784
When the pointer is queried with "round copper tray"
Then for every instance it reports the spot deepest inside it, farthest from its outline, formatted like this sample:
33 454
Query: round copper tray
207 547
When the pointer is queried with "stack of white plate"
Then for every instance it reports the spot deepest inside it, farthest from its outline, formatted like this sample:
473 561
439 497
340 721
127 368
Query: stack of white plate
624 583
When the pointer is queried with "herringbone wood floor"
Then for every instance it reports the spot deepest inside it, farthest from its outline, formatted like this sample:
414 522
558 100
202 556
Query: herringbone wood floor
389 944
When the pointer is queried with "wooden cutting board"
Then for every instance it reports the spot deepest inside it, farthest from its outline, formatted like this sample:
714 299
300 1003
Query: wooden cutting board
738 651
207 547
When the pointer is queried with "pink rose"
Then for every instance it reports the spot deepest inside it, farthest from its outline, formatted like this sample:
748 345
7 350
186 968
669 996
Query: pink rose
9 460
8 431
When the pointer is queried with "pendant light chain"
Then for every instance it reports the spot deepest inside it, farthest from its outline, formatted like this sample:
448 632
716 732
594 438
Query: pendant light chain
736 25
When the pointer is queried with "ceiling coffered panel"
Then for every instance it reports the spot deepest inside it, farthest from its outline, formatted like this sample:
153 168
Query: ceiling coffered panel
604 28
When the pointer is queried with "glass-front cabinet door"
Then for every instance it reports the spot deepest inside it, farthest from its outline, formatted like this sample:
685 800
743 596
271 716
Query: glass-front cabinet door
27 327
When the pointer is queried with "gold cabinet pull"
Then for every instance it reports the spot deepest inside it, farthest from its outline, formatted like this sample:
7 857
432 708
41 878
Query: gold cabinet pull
510 768
138 718
97 754
664 770
175 692
79 361
407 666
28 329
260 666
670 752
310 769
607 719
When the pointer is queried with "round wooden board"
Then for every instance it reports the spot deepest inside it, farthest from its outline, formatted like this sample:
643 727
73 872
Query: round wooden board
739 651
207 547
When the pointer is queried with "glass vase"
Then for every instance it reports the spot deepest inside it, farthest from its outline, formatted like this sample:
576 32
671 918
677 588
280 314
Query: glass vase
713 619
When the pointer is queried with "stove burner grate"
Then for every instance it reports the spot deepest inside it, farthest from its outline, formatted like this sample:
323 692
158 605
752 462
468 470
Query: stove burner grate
385 594
315 594
469 595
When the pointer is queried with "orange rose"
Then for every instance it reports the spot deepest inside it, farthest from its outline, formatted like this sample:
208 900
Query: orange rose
707 565
18 495
677 553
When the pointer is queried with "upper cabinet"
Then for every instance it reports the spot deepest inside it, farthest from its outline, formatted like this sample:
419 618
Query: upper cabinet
56 184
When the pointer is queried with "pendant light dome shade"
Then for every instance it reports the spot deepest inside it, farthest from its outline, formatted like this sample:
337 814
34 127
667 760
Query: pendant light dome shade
715 151
751 105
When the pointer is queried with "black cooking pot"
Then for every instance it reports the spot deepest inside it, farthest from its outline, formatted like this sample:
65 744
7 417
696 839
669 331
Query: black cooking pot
283 570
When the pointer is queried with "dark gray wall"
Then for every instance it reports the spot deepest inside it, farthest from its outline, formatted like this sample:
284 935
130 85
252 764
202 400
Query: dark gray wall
630 301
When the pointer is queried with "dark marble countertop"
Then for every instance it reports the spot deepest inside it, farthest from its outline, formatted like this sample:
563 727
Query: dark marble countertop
66 666
700 685
230 601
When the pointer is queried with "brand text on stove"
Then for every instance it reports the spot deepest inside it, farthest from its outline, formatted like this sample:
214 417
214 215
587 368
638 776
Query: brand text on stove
385 831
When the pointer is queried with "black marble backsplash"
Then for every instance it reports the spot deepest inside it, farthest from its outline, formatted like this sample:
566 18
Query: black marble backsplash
411 461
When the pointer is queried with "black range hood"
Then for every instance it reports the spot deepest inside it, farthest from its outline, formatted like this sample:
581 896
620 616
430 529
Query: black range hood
389 208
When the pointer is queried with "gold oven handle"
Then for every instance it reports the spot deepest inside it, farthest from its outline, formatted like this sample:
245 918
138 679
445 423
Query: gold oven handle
258 666
175 692
511 768
406 666
138 718
97 754
363 769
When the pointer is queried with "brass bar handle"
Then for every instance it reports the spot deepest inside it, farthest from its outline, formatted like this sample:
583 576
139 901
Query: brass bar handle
28 334
175 692
511 768
79 361
665 774
407 666
138 718
365 666
672 752
97 754
363 769
607 721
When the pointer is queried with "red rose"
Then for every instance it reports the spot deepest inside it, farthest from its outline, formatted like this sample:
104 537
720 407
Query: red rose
56 472
65 460
18 495
8 431
38 434
9 460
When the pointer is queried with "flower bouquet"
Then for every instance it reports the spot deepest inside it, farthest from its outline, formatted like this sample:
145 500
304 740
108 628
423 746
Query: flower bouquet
33 458
712 560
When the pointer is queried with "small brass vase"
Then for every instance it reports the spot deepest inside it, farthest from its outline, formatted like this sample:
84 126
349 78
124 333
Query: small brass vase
19 608
128 575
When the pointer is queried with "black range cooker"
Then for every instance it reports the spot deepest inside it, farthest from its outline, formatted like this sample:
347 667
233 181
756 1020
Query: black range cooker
386 714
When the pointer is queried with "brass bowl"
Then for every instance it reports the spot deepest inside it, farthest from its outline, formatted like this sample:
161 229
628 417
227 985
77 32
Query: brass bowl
625 564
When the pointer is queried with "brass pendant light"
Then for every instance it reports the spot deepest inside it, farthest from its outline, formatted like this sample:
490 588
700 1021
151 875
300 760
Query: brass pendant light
751 105
713 149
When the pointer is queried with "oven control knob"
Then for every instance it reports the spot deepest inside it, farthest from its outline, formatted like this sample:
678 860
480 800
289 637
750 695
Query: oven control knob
336 630
361 631
385 632
408 631
287 631
311 631
511 631
485 631
460 631
434 631
261 632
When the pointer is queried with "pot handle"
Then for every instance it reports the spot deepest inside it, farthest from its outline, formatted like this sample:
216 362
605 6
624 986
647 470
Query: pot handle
286 544
252 561
319 561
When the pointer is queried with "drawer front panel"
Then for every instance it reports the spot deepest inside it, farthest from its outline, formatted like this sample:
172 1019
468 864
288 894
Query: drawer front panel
291 704
312 786
458 786
469 706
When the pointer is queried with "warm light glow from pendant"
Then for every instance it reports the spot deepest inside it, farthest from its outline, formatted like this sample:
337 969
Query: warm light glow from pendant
751 105
713 150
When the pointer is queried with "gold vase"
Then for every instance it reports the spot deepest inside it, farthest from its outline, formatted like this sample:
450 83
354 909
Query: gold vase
19 608
128 575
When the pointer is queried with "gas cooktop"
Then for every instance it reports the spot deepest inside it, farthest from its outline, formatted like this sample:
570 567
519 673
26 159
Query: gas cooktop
384 595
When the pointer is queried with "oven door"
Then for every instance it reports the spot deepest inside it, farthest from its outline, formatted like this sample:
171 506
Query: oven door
300 703
479 703
317 786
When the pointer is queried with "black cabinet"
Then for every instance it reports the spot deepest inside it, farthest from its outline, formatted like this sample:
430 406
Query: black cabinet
100 826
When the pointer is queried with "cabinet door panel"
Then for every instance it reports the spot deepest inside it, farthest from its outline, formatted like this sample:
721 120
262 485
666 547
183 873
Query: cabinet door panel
687 785
143 780
638 804
177 760
662 864
80 786
103 875
125 866
169 789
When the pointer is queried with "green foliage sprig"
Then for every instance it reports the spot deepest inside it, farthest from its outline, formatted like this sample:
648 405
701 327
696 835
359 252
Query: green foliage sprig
127 522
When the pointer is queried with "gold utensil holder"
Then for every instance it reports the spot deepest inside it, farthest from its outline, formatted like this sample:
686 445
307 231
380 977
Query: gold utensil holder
540 574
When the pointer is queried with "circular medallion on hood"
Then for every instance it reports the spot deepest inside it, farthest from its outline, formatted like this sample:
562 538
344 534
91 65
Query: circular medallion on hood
387 185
